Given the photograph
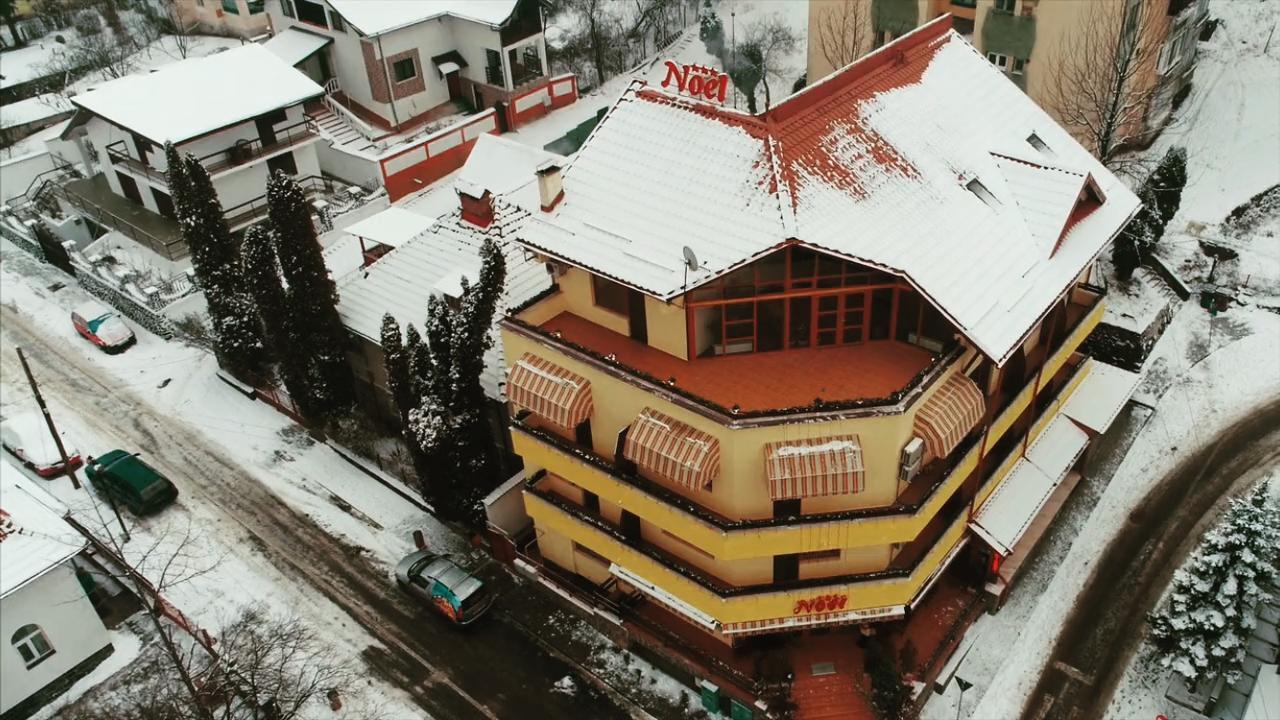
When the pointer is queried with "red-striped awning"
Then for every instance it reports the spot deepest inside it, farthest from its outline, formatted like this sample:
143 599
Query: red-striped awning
814 467
949 415
550 391
676 451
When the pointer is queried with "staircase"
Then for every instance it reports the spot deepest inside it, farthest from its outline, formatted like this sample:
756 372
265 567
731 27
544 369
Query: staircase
828 697
340 134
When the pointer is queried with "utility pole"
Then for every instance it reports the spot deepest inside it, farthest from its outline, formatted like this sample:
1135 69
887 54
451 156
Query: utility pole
48 420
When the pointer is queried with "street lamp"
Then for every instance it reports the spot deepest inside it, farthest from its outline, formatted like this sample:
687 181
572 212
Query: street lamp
964 685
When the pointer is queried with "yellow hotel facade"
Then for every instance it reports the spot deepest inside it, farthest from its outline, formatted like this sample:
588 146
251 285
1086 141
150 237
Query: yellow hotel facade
764 401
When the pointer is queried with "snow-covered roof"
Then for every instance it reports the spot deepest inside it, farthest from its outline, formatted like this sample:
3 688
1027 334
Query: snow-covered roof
402 281
197 96
34 538
28 63
394 226
1100 396
376 17
293 45
875 164
506 168
33 109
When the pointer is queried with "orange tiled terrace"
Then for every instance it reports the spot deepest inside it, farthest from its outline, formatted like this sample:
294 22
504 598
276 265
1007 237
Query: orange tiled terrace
765 380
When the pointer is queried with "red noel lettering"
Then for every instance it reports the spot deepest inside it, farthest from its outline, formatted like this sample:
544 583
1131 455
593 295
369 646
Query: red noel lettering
679 74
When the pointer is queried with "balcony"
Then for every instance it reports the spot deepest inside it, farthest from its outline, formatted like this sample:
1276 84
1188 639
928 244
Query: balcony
240 154
880 594
750 388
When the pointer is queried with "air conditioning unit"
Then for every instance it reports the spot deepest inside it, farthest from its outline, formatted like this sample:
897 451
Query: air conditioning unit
555 269
911 459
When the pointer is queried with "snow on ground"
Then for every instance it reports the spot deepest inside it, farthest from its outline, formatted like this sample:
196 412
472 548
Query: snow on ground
179 381
1194 377
127 648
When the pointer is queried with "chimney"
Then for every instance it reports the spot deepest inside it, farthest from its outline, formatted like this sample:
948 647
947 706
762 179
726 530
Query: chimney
477 203
550 187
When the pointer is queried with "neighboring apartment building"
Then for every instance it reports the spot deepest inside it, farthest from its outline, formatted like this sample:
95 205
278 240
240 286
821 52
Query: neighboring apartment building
1026 39
395 64
797 364
241 112
238 18
50 632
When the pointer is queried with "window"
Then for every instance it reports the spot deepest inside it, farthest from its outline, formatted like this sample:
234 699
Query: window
1000 61
819 556
609 295
230 6
404 70
1019 66
32 644
286 6
143 146
976 187
965 3
256 6
1034 141
335 22
1006 5
310 12
283 161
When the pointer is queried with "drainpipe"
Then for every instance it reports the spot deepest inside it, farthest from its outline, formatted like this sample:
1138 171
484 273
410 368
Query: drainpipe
391 91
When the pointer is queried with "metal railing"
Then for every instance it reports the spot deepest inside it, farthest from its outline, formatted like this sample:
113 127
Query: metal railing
240 153
174 249
119 154
331 88
250 211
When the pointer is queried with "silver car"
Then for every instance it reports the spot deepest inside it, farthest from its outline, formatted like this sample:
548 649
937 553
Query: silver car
450 590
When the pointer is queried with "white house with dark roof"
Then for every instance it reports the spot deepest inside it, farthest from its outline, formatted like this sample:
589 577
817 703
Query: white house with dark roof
242 112
50 633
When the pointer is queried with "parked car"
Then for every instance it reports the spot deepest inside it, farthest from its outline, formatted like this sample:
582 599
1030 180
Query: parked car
102 327
450 590
131 482
30 443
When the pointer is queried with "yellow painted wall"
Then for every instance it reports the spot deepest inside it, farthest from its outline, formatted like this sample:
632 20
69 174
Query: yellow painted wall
667 326
575 286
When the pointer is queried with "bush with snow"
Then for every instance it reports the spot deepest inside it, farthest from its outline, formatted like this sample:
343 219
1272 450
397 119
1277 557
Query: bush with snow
1203 630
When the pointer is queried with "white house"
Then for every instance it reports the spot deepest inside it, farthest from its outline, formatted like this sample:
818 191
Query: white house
241 112
51 634
392 65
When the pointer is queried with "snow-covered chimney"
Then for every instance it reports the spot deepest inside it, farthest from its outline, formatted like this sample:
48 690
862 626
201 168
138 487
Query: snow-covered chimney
550 187
477 203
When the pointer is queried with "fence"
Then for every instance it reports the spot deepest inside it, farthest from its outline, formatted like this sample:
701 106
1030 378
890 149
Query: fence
435 156
557 92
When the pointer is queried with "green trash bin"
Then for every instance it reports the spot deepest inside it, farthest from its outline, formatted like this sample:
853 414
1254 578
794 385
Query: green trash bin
710 696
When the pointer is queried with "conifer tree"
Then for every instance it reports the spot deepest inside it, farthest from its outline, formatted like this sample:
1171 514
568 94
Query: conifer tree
395 356
261 271
1166 183
312 300
238 340
450 424
1137 236
711 30
1205 626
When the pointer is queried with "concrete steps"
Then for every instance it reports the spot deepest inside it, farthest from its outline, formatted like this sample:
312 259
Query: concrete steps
339 133
828 697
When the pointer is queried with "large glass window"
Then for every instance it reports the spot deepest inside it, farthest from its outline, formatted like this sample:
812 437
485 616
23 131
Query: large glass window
798 298
311 12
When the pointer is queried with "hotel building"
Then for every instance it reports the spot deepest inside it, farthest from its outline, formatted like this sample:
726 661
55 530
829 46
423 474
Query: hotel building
796 364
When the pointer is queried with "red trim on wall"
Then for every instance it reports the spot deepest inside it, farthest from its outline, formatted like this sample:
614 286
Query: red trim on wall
403 181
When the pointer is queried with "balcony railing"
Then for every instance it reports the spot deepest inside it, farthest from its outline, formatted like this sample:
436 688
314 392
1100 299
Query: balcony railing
241 153
250 211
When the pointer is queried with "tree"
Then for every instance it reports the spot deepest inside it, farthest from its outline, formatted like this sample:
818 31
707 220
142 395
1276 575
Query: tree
448 421
889 696
1100 90
1166 183
9 13
238 337
711 30
312 301
843 31
593 13
395 357
773 39
262 273
1203 630
744 69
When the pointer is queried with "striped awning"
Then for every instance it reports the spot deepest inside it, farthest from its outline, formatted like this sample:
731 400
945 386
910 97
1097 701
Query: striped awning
949 415
672 449
795 622
814 467
549 391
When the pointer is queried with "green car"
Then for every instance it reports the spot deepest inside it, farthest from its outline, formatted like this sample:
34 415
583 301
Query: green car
131 482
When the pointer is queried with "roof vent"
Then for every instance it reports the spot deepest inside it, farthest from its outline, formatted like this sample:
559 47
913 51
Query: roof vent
1034 141
976 187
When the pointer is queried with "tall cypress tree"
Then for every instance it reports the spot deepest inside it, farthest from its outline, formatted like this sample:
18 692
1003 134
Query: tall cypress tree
395 356
261 271
1166 183
238 340
312 299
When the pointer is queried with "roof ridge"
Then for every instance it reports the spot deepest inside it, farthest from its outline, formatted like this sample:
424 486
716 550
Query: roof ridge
1037 164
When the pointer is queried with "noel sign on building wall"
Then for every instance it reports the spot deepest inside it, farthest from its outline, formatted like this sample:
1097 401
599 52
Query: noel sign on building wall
697 81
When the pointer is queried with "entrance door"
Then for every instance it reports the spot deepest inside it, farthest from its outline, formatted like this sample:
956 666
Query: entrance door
266 129
164 203
129 188
786 568
630 526
326 72
637 323
454 81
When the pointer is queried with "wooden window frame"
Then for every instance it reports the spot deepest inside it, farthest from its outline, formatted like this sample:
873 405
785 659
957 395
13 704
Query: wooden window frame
624 310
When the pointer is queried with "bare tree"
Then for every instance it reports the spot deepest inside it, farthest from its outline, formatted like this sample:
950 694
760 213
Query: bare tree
100 52
774 39
842 31
1103 75
597 34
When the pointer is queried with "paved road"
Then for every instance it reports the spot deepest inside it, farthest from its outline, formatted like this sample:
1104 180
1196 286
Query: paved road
489 672
1100 636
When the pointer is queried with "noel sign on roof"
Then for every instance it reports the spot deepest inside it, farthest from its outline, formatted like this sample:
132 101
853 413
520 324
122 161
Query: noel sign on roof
697 81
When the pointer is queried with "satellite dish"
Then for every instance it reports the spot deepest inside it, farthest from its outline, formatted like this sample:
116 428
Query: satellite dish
690 260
